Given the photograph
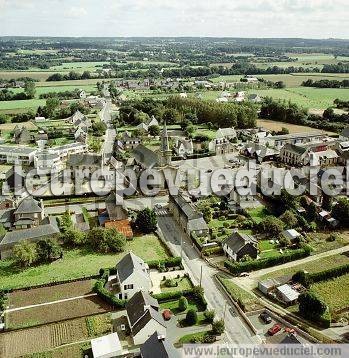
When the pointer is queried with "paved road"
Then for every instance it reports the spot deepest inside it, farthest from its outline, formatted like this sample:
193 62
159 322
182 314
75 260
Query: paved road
236 331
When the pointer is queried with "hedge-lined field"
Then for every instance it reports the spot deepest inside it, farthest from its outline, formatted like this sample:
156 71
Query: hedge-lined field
77 263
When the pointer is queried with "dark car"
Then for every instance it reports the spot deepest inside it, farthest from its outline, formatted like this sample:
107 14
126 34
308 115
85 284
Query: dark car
265 317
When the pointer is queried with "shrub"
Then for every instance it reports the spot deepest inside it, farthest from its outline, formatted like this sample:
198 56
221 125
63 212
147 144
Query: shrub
312 307
213 251
182 304
218 327
170 283
105 295
191 317
170 262
209 315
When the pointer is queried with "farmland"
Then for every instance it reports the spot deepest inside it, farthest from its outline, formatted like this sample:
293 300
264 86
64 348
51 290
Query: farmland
56 312
49 294
77 263
293 128
339 301
38 339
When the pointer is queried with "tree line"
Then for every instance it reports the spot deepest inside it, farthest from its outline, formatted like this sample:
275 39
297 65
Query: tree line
326 83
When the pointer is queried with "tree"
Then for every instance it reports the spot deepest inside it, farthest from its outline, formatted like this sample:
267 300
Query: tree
327 201
29 89
146 221
311 212
106 240
218 327
209 315
271 225
99 128
51 105
66 221
341 211
182 304
191 317
48 250
289 219
171 116
154 130
207 213
73 237
311 306
25 253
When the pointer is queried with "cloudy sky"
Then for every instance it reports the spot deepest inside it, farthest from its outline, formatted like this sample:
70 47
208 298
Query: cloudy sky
231 18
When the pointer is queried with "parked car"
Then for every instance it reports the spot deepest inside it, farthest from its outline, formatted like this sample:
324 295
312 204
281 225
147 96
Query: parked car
265 317
167 314
290 330
275 329
243 274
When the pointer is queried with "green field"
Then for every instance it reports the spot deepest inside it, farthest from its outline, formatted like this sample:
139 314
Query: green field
311 98
326 289
77 263
79 66
311 266
26 104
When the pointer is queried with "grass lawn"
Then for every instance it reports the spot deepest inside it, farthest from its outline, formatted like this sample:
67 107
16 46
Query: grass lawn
78 66
245 299
335 292
188 338
311 266
173 306
184 283
77 263
258 214
266 245
216 223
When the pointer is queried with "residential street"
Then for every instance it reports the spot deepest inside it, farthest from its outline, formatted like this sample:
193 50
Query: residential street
236 330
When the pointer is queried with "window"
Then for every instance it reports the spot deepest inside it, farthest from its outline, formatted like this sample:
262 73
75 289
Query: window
128 287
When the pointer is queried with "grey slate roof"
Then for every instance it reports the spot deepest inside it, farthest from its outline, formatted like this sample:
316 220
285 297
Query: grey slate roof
13 237
28 206
115 211
297 149
238 240
189 210
87 159
141 309
145 156
128 264
153 347
197 224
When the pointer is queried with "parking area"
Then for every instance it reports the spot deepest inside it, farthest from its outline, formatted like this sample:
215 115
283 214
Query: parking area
284 333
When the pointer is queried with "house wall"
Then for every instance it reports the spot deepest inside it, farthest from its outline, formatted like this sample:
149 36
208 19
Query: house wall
140 281
229 252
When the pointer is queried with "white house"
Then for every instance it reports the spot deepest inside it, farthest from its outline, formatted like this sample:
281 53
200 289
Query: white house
47 161
184 147
152 122
132 276
144 317
12 154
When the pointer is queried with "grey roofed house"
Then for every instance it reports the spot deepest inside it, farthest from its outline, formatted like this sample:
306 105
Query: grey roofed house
114 208
28 206
188 210
241 244
33 234
84 159
145 156
158 347
198 224
297 149
290 339
128 264
226 133
141 309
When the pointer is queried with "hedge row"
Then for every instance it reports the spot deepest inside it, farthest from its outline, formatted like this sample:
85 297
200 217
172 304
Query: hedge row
105 295
246 266
175 295
328 274
170 262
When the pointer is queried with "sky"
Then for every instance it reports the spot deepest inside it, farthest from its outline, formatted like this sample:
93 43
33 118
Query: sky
213 18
